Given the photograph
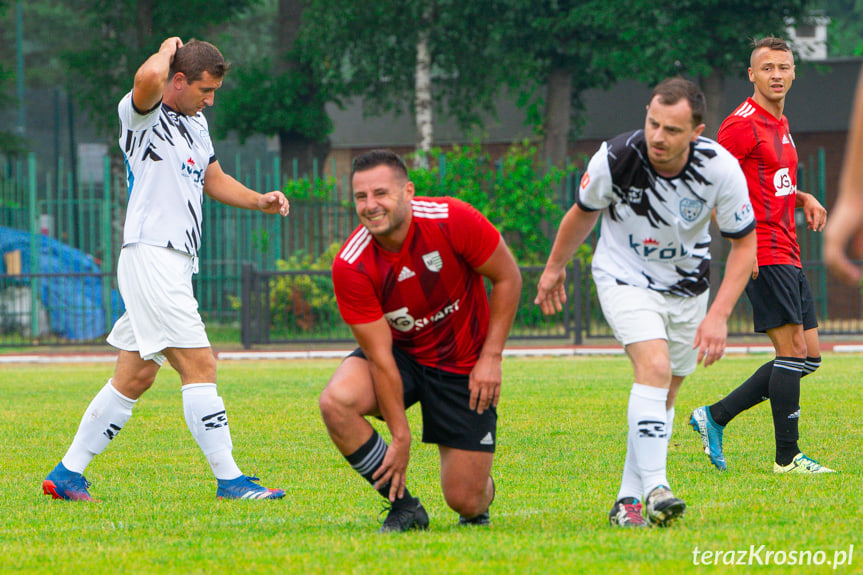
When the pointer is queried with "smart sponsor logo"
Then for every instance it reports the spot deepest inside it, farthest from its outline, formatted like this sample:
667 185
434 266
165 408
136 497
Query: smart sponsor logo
403 321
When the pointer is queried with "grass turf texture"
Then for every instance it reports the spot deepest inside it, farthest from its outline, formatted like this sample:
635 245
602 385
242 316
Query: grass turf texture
560 453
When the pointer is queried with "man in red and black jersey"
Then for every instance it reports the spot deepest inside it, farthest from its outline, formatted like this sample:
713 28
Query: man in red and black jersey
757 134
409 282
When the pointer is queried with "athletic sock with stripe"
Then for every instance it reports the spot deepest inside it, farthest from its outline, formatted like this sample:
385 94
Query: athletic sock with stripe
368 458
785 406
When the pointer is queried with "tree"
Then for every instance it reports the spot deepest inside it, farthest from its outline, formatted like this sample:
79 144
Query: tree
562 45
705 40
9 141
276 90
43 66
845 33
438 54
121 34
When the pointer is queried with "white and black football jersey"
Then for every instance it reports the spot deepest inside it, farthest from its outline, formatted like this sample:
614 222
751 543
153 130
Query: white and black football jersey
167 154
655 230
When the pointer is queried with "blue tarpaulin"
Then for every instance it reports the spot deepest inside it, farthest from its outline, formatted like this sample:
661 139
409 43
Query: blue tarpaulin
74 303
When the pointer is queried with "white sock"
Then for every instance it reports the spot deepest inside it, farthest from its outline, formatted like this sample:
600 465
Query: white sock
106 415
206 418
630 483
669 422
648 432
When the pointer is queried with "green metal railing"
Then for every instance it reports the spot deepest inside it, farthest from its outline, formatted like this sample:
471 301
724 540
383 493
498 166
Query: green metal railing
88 216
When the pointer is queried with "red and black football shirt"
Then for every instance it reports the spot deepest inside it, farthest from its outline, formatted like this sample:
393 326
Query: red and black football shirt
429 292
767 154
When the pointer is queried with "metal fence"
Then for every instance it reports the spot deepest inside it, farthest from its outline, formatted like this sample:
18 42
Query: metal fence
41 217
263 279
298 307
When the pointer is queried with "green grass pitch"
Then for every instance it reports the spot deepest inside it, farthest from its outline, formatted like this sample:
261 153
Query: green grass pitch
561 440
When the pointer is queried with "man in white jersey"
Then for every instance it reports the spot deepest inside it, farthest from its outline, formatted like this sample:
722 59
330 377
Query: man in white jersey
170 164
657 189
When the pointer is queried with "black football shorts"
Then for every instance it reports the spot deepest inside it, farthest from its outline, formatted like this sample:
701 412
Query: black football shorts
781 295
444 398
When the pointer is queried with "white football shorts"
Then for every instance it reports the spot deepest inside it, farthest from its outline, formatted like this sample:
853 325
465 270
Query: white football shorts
161 310
640 314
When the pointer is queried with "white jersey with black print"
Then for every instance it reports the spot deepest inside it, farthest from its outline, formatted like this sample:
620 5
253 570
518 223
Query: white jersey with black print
167 154
655 230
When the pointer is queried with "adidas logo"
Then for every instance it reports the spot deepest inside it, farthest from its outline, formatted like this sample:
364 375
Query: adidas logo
405 274
487 440
795 415
784 138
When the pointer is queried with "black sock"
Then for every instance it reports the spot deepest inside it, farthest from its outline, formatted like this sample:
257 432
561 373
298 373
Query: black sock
785 405
812 363
752 392
368 458
748 394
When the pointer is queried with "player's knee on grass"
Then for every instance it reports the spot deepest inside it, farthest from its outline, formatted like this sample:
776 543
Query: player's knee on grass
468 498
467 504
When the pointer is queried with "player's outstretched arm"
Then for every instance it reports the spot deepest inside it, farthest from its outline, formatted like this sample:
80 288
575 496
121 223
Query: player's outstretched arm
712 333
846 219
573 230
375 339
227 190
151 77
485 378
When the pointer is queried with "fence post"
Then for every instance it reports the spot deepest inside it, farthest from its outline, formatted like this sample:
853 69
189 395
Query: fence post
107 252
820 193
277 185
246 305
35 245
576 302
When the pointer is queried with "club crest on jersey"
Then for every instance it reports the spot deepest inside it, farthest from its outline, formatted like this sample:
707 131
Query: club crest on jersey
189 169
782 183
400 319
433 261
690 209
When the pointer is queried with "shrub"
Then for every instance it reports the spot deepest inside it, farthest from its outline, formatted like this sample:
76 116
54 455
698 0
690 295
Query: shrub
310 189
303 302
516 193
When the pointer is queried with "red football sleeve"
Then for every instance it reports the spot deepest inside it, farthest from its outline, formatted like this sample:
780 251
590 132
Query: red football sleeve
471 234
736 137
355 295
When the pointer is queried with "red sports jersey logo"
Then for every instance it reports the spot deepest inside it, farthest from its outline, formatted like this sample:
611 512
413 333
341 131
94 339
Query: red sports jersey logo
782 183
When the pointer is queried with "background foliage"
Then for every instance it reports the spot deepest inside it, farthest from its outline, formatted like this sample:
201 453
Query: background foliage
306 303
336 49
518 193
